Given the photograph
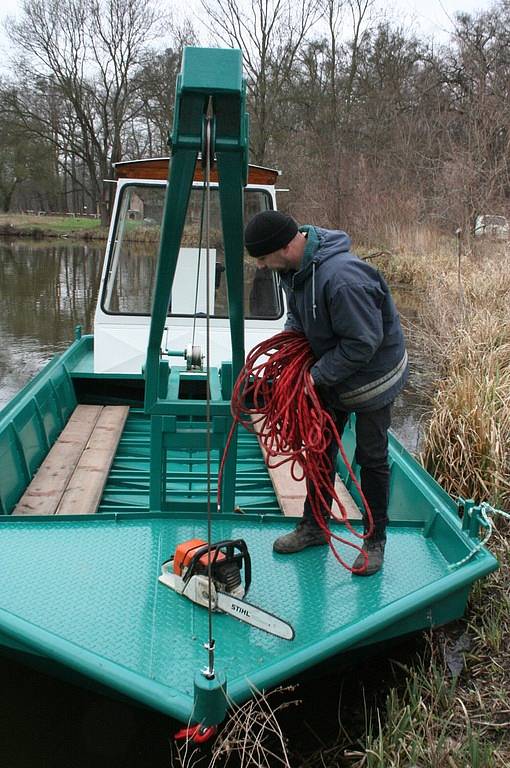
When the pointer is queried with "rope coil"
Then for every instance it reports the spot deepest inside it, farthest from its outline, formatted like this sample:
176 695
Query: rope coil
275 392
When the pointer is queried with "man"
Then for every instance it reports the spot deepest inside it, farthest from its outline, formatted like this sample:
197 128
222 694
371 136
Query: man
344 308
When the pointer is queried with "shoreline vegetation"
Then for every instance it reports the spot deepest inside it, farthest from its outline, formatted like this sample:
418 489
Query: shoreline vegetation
449 706
48 226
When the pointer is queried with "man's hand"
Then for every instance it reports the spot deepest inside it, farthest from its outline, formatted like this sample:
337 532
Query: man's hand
310 386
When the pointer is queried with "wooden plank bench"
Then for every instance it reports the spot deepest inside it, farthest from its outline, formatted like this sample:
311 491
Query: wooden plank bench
71 479
291 493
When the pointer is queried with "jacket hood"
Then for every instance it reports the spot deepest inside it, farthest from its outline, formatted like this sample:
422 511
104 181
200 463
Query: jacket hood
321 245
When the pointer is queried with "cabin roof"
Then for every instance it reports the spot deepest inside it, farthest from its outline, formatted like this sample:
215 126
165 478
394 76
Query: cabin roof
157 168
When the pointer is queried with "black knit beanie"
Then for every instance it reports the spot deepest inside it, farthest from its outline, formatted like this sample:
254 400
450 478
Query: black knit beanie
269 231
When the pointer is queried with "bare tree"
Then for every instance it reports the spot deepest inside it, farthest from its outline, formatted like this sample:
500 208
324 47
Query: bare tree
89 50
482 105
155 84
269 34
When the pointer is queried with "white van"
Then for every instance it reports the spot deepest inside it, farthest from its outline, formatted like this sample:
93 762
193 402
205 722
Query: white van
491 225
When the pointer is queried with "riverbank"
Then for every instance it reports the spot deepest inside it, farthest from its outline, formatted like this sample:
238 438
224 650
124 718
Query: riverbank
450 706
41 227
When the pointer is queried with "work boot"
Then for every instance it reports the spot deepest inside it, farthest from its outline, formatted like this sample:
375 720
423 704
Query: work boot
375 554
306 534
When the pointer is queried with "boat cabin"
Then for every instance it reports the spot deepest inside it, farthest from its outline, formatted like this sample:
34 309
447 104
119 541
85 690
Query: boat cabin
122 318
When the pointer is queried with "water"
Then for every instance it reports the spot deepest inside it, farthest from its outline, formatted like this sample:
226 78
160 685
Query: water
46 290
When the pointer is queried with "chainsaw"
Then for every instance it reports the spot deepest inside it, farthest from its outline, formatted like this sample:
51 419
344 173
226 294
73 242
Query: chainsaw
187 573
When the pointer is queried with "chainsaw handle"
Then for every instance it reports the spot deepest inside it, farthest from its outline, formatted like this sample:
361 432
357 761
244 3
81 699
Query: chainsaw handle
245 555
230 545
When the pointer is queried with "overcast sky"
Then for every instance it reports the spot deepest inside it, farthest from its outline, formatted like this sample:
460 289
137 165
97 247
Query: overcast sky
426 17
434 16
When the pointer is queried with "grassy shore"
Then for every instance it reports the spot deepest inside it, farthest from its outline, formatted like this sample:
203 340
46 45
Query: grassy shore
448 705
39 227
445 714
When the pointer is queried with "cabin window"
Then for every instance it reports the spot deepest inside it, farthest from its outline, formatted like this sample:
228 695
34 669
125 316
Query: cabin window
134 249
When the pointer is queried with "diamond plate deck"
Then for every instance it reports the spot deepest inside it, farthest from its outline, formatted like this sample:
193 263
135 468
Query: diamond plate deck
84 592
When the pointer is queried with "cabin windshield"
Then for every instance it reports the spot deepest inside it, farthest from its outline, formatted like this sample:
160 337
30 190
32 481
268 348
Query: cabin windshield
134 250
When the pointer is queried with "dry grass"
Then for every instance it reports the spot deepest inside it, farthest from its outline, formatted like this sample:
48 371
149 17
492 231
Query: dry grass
411 256
467 439
420 256
464 333
452 708
250 738
467 336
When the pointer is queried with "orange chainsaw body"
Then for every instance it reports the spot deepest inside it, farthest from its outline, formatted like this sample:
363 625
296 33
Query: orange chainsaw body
185 551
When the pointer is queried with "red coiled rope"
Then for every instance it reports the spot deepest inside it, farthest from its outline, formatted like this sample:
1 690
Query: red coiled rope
294 426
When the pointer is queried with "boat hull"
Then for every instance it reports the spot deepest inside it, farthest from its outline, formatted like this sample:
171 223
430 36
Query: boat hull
85 594
82 592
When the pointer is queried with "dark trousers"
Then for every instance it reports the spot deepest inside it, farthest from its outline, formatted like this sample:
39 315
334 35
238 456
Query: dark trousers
372 457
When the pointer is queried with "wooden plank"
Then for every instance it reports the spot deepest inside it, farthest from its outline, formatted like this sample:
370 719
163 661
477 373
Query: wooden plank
85 488
44 493
291 493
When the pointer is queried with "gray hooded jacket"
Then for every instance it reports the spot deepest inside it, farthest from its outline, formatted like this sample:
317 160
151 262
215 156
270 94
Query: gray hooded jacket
345 309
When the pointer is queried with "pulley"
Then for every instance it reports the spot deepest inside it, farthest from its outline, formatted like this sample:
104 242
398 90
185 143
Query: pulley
194 357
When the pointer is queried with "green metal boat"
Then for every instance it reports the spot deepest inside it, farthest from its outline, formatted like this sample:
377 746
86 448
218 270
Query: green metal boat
109 459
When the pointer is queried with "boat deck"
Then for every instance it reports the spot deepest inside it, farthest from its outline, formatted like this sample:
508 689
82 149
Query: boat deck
127 487
101 463
72 477
116 623
82 591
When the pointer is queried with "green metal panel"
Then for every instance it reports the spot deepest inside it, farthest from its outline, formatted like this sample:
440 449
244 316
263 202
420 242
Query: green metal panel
212 69
29 428
31 422
14 475
186 478
115 623
210 101
50 412
64 392
231 197
182 169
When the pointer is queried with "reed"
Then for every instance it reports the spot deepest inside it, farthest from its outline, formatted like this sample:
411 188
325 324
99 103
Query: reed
409 255
464 333
467 436
440 713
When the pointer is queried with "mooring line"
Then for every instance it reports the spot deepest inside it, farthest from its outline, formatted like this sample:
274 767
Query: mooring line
485 509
